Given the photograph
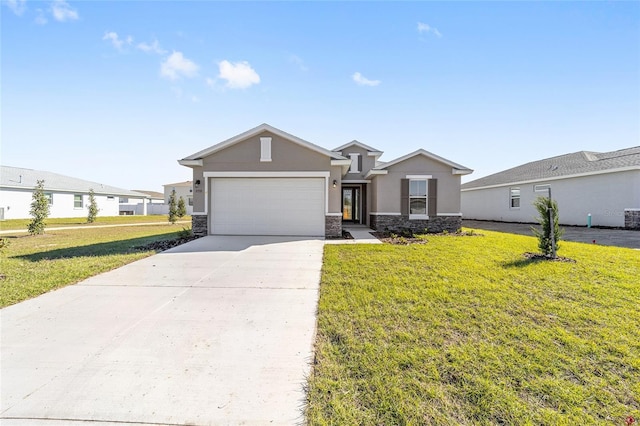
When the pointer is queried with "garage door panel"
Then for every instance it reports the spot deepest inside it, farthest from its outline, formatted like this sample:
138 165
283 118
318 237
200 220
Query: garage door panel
268 206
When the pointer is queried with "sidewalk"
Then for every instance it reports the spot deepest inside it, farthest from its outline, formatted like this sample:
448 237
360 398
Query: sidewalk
61 228
361 235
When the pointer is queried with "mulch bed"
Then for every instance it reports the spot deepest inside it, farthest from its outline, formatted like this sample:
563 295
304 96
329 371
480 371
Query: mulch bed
540 256
345 236
159 246
407 238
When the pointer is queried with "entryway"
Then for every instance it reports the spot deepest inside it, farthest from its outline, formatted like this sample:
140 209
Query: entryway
352 204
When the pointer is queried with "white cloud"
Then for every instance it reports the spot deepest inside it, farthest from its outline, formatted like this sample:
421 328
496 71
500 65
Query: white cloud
62 12
176 66
426 28
210 82
299 62
115 40
151 47
40 18
17 6
363 81
239 75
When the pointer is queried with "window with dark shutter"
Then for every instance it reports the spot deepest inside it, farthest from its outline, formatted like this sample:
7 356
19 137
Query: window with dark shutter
433 197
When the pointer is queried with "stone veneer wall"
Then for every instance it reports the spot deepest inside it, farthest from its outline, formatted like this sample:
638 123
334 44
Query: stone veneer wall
333 226
199 224
632 219
401 223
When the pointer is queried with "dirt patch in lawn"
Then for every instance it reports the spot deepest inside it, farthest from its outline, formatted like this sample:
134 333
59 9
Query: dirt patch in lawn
408 238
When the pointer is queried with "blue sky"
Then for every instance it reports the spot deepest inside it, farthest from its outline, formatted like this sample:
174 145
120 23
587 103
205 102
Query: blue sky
116 92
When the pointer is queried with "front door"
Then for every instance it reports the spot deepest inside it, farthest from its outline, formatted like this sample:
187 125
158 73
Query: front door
351 204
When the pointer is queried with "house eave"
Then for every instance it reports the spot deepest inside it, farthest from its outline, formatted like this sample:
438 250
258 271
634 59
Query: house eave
553 178
461 171
191 163
374 172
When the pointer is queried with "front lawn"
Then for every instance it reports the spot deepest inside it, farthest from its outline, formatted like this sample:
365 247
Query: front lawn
465 330
15 224
32 265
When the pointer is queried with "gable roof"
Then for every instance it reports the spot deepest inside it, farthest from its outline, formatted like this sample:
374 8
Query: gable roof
185 183
577 163
19 178
372 151
187 161
151 194
458 168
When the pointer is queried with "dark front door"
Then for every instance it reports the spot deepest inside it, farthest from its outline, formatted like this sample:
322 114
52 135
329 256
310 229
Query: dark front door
351 204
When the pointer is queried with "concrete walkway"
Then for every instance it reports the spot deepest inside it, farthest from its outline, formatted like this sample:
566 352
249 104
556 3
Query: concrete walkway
361 235
605 237
60 228
217 331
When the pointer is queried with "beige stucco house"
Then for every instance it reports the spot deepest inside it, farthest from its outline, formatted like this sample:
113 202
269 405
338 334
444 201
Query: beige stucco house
268 182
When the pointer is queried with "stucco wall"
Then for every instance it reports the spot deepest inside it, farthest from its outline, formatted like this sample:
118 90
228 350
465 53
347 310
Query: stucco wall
368 162
387 187
605 196
286 156
17 203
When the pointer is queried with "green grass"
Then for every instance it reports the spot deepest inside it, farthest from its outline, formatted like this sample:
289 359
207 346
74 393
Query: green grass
33 265
464 330
20 224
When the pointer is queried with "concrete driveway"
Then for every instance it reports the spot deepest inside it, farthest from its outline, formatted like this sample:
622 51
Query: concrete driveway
217 331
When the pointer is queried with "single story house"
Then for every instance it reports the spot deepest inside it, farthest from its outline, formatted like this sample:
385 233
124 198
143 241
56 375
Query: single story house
153 204
68 196
268 182
604 185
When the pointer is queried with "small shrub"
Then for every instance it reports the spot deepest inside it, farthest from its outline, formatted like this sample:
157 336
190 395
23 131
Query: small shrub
182 210
184 233
542 205
93 207
173 208
39 210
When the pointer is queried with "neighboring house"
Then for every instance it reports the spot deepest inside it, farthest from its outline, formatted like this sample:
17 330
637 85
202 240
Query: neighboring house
268 182
151 205
68 196
184 190
603 184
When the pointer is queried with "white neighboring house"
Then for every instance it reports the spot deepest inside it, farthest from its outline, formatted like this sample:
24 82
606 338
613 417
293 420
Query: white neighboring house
68 196
152 205
603 184
184 190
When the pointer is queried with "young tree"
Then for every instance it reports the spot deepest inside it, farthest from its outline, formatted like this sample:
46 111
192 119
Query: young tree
173 208
545 206
93 207
182 210
39 209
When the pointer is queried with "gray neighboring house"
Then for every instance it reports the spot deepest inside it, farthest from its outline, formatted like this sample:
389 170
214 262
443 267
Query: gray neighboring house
603 184
269 182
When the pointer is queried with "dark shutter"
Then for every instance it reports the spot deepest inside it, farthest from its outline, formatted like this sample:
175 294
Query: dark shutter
360 163
432 208
404 196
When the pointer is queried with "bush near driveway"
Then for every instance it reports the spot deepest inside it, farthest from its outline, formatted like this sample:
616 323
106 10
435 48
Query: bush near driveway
466 330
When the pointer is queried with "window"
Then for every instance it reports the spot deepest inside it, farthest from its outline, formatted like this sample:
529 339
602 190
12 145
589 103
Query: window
417 198
265 149
77 201
49 196
110 197
355 163
123 200
514 198
190 201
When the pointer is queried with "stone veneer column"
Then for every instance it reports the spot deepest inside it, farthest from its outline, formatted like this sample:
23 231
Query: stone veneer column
401 223
333 226
632 219
199 224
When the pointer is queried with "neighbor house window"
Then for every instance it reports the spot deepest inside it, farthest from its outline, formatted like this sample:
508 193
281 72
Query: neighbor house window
49 196
77 201
190 201
514 198
417 198
110 197
124 200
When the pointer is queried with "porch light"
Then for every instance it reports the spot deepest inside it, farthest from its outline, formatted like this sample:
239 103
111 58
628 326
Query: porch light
335 182
197 182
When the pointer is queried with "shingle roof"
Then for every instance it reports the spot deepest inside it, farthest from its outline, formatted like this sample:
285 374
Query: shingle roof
151 194
577 163
16 177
